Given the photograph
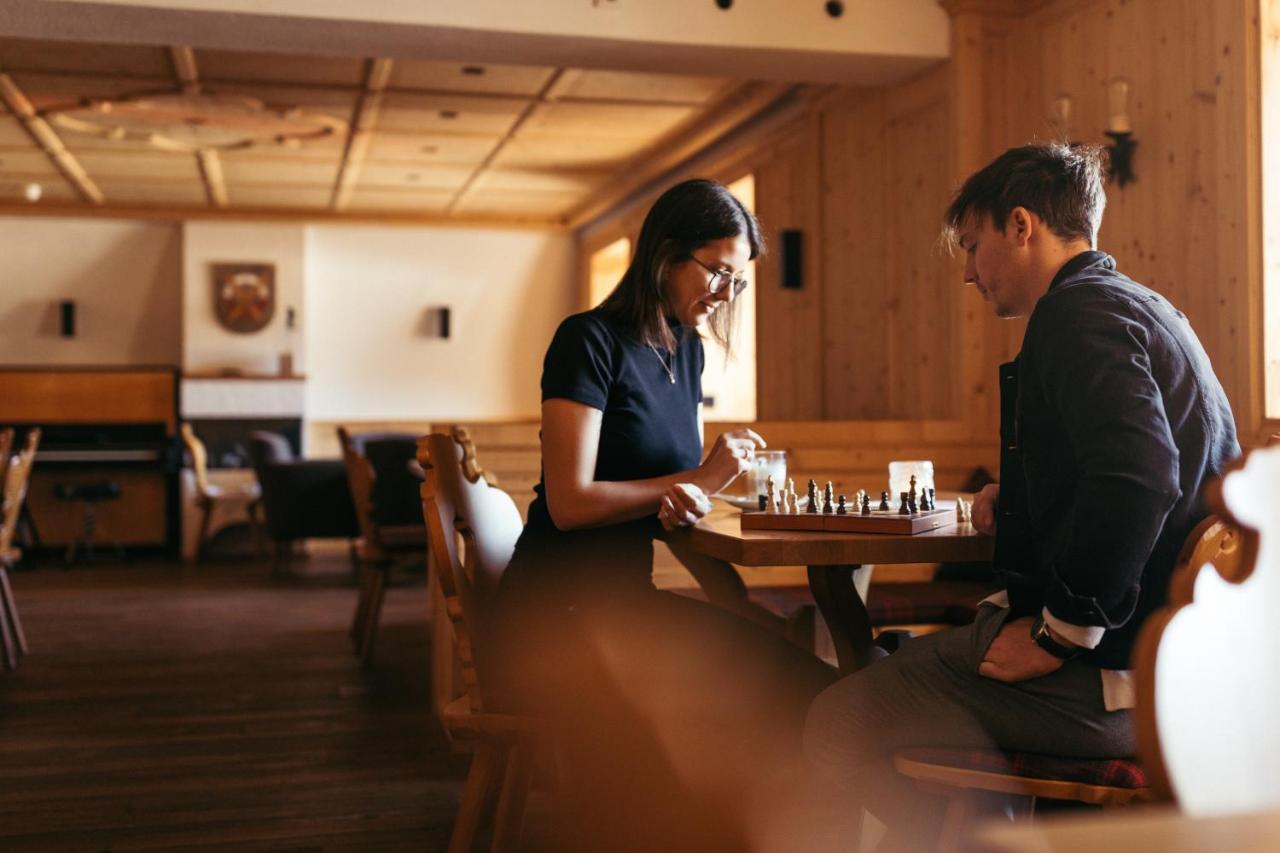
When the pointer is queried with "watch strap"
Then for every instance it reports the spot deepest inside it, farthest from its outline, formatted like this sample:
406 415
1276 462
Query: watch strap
1042 638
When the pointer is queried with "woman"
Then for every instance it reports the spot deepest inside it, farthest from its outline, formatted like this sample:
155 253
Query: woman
668 694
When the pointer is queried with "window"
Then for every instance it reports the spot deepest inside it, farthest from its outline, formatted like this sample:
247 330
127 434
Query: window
1270 91
729 386
606 268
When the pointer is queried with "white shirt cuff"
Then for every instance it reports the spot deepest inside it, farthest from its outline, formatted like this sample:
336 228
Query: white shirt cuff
1087 636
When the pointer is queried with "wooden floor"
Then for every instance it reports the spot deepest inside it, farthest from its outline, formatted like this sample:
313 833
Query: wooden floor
162 708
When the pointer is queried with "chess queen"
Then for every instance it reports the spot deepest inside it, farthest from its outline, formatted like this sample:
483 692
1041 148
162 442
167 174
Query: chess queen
582 636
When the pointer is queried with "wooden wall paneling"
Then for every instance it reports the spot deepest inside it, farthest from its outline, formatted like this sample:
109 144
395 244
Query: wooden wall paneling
789 342
922 295
1188 227
854 250
1267 385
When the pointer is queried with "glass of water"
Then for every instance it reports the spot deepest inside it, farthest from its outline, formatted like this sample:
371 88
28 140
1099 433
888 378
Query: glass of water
900 474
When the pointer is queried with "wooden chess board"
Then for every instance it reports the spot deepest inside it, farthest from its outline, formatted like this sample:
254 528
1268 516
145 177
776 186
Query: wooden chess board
878 521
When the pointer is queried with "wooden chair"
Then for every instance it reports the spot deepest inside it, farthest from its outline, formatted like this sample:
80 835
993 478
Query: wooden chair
380 543
18 475
211 497
1209 661
963 775
459 505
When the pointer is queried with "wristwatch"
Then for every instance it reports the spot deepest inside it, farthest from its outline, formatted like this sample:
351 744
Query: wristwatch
1042 638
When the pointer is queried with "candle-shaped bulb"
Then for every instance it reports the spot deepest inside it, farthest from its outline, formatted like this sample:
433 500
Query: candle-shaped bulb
1118 106
1060 115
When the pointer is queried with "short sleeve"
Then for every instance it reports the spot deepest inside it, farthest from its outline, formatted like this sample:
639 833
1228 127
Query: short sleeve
579 364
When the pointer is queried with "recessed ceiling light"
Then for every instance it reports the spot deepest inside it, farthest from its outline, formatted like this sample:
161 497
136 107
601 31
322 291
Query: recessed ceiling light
448 114
473 70
32 192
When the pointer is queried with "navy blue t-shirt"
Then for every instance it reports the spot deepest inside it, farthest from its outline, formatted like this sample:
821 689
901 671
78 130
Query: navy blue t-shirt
649 429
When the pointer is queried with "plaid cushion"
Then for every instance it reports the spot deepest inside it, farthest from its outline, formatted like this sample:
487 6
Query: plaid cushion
1105 772
926 602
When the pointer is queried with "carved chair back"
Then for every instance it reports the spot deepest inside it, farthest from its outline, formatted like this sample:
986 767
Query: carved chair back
1208 663
15 490
472 529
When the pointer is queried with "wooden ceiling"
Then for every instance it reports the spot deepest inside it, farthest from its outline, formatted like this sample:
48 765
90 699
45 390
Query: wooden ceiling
418 140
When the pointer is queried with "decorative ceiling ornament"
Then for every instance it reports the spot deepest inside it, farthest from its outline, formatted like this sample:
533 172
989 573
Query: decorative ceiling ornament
195 122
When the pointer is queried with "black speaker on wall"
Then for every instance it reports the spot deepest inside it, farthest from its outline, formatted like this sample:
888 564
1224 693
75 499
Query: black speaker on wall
792 258
67 318
444 321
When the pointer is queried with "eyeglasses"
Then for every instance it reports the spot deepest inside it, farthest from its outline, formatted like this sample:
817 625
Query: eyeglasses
720 279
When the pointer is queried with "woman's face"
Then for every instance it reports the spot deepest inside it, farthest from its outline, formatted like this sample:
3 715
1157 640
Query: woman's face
689 297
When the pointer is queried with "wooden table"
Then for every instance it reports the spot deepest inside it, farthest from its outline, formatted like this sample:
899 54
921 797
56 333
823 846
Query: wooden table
1130 830
836 563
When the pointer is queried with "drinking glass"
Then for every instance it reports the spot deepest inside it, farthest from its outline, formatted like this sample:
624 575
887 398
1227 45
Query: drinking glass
900 476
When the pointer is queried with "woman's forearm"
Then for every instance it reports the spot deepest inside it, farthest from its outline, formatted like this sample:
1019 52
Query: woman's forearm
602 502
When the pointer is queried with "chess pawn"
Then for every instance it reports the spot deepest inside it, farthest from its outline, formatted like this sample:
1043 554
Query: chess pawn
884 501
904 509
841 509
866 504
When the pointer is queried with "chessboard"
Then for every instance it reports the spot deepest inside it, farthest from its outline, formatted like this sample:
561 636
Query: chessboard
879 521
916 512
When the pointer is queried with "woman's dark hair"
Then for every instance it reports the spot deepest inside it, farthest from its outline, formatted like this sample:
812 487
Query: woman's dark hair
684 218
1061 184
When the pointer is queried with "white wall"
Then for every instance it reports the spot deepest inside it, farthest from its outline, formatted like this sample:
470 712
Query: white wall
206 344
368 288
125 278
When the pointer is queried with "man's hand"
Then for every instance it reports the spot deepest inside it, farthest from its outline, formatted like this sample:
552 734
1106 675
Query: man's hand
984 509
1013 656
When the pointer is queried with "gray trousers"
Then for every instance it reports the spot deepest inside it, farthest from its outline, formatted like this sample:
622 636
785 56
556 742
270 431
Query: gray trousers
929 693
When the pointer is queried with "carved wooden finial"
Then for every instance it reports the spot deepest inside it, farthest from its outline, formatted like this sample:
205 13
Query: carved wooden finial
470 467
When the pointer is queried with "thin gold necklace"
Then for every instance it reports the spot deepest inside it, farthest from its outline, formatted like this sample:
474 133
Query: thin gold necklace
671 373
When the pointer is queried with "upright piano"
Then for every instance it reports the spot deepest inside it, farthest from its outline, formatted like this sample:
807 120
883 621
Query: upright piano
115 424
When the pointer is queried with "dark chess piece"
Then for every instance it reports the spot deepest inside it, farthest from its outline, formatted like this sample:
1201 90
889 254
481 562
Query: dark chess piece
912 506
841 509
764 502
884 501
904 509
932 504
827 498
813 496
866 504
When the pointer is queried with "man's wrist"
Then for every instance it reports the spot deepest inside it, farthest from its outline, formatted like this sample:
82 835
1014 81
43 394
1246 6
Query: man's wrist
1042 635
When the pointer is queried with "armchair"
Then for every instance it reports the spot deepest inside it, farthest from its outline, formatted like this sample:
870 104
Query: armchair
301 498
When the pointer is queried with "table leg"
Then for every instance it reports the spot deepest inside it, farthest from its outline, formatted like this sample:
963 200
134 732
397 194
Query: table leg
836 594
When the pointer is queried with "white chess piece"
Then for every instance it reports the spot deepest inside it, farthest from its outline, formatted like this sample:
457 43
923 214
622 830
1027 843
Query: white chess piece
786 502
773 500
961 515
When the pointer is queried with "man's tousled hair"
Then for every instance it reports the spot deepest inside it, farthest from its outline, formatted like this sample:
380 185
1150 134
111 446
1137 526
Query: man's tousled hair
1061 184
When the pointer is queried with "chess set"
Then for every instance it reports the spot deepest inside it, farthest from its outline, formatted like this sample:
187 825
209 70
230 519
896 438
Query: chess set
915 513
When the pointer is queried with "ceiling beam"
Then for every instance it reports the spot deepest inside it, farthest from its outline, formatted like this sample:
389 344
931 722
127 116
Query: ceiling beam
540 98
363 121
207 159
48 140
734 111
179 213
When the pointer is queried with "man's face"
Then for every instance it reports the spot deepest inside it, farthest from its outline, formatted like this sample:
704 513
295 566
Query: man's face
996 264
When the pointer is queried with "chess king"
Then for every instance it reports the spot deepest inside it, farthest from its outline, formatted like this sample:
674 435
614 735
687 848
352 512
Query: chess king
1112 422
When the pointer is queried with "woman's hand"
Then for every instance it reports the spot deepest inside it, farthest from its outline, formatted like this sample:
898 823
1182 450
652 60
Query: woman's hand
683 505
732 454
984 509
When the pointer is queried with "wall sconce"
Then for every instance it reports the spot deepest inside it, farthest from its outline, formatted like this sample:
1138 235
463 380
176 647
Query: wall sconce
1060 118
435 322
67 318
1120 130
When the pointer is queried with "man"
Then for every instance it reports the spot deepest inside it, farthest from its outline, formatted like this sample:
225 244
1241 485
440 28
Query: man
1112 422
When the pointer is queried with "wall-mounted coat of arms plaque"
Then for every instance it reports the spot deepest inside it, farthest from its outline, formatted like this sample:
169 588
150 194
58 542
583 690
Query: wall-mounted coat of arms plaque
244 296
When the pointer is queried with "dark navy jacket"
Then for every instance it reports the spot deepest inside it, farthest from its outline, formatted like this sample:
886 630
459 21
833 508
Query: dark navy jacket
1112 422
